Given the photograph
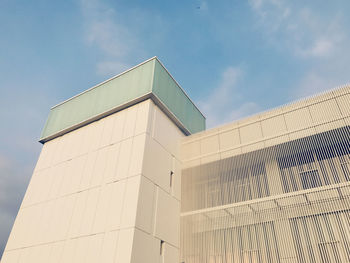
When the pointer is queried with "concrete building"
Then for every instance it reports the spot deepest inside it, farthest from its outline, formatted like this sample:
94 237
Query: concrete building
127 173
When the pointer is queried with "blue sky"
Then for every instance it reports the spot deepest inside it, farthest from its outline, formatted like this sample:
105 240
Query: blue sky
234 58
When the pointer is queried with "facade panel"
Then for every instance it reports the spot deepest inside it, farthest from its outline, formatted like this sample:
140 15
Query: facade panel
279 194
103 198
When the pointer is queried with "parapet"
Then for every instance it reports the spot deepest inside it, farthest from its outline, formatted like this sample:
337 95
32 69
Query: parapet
148 80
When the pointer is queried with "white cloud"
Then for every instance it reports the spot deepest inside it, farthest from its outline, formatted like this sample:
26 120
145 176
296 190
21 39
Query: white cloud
224 92
224 103
302 31
321 48
111 38
103 31
317 40
271 13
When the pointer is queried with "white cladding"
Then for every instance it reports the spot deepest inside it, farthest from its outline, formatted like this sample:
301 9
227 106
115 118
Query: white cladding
106 192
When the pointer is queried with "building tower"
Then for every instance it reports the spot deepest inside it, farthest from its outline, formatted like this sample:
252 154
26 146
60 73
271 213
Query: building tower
119 181
106 187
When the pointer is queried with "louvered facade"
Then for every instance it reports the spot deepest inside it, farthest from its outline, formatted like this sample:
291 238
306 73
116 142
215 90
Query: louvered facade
271 188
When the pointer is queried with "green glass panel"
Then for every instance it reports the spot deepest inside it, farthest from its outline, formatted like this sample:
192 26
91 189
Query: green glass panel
148 77
171 94
100 99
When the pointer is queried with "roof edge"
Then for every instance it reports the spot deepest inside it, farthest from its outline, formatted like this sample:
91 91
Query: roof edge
271 109
95 118
133 102
105 81
183 91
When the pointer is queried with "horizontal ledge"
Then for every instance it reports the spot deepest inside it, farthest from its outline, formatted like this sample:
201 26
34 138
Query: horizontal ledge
130 103
265 199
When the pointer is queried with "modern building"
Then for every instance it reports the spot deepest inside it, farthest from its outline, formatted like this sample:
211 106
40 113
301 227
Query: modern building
128 173
274 187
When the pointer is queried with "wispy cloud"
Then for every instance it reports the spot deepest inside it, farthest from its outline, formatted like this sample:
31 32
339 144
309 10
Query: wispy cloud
112 38
272 14
225 103
313 36
320 41
299 29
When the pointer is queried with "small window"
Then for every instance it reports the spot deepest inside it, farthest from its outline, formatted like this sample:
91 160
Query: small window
171 178
161 247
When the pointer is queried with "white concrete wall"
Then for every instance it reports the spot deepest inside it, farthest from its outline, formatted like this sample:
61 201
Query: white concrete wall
102 193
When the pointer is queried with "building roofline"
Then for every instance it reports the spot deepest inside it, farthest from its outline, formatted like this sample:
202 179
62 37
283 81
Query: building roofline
103 82
266 111
126 71
184 92
130 103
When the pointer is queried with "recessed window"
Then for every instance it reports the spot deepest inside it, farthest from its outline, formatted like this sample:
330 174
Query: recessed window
161 247
171 178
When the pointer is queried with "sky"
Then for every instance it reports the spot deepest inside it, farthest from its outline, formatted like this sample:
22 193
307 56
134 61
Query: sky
234 58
